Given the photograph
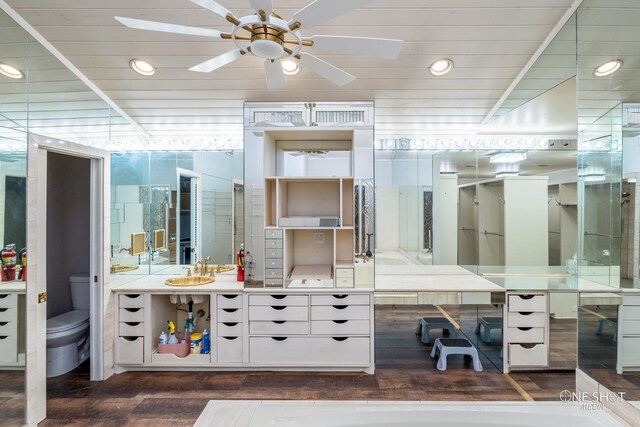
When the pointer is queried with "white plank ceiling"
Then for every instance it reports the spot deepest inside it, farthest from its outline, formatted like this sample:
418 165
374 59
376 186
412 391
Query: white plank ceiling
489 41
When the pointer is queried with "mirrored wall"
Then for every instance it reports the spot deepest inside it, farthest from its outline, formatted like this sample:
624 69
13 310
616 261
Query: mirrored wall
171 209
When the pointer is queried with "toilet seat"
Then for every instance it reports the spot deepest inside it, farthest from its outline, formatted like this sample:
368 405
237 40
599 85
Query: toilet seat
67 321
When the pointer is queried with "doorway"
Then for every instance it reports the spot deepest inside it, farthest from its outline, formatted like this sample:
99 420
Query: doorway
189 208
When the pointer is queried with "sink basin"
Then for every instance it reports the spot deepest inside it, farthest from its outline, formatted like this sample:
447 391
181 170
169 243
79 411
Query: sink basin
117 268
189 281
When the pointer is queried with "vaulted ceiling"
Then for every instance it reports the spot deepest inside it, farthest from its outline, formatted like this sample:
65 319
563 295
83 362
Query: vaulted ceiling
490 42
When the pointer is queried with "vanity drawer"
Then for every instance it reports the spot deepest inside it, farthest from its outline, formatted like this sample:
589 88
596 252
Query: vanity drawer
7 314
337 299
273 273
523 356
229 301
629 327
8 300
129 351
273 243
131 329
527 320
229 350
131 315
631 299
8 348
340 312
273 263
340 327
271 233
273 253
279 299
8 329
344 282
530 303
277 283
344 272
526 335
131 301
279 327
229 329
631 312
278 312
229 315
301 351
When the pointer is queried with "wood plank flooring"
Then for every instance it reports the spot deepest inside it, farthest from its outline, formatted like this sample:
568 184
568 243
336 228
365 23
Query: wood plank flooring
404 371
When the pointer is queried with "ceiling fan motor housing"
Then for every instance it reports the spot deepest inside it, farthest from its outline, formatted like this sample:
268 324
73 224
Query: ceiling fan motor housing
267 41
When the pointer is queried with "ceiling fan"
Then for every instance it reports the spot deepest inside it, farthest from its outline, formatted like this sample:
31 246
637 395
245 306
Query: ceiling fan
272 38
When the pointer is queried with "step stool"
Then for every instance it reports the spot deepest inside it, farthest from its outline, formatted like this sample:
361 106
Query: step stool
486 325
443 347
613 323
425 325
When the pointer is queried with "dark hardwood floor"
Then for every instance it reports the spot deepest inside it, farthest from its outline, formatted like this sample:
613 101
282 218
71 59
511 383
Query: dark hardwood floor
404 371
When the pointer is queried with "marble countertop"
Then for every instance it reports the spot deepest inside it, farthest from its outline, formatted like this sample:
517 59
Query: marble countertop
436 283
155 283
15 286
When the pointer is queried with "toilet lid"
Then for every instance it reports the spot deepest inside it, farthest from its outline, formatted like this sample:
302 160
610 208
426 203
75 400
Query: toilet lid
67 320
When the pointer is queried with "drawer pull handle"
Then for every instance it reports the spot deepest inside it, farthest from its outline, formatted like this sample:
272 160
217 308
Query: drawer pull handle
2 310
340 307
525 313
230 338
229 296
278 296
279 322
133 310
528 346
524 329
340 296
230 324
340 338
340 322
4 323
131 339
2 296
526 296
278 307
132 295
230 310
132 323
279 338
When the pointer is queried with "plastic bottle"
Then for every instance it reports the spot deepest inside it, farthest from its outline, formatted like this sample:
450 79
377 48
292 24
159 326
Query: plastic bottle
205 342
172 333
163 338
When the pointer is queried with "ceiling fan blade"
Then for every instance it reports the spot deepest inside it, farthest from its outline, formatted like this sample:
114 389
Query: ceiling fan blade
323 10
141 24
214 7
264 5
275 75
217 62
380 48
326 70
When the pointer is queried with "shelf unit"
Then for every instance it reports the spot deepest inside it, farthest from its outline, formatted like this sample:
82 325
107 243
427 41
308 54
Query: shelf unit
308 221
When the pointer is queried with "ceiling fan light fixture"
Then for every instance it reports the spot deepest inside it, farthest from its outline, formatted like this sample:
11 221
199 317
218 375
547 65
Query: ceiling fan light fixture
10 71
290 67
142 67
267 49
441 67
608 68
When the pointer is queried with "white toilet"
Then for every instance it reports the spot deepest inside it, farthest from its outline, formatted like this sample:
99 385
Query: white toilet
68 333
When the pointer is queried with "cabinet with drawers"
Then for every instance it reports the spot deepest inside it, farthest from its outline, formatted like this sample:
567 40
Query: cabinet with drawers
130 331
629 334
229 328
526 331
12 329
273 244
332 330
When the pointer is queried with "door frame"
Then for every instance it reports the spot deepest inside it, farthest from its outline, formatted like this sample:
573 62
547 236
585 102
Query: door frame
101 310
196 217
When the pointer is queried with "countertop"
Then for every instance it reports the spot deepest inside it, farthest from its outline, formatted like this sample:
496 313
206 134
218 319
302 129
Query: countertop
15 286
155 283
436 283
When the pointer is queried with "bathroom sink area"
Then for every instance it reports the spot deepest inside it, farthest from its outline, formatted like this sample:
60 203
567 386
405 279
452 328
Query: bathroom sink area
117 268
189 281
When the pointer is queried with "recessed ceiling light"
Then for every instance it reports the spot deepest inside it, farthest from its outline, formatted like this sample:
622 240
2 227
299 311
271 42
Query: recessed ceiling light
142 67
10 71
607 68
289 67
441 67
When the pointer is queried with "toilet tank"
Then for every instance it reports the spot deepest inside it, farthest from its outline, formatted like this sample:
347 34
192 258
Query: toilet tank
80 291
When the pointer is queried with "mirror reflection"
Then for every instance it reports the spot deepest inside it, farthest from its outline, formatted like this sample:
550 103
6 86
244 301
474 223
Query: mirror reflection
184 207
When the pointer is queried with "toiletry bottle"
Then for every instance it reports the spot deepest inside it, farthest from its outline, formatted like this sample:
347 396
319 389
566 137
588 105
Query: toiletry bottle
172 333
205 342
163 338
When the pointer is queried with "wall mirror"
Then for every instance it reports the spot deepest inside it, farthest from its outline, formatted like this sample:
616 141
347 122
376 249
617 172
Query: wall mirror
189 205
608 171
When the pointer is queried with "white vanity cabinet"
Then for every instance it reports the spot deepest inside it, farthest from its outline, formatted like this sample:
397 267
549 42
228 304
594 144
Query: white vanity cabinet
526 331
130 332
12 325
229 328
628 334
323 330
